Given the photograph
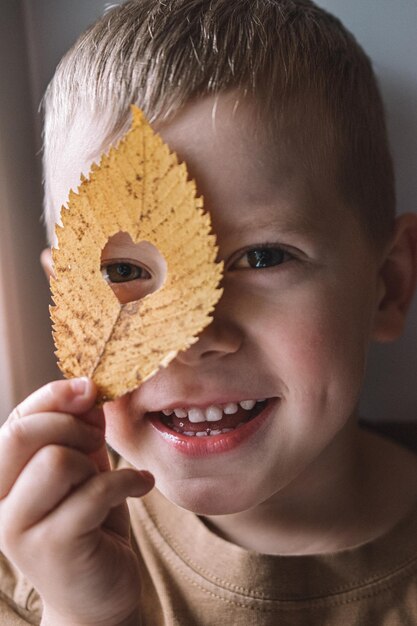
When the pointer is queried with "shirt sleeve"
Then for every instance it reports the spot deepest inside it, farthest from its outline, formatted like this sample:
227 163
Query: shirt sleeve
20 603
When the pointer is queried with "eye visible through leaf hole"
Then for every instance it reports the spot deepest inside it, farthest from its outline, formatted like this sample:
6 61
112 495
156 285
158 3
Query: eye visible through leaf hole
133 271
123 271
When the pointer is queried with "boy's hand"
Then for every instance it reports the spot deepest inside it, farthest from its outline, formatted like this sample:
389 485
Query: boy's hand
63 517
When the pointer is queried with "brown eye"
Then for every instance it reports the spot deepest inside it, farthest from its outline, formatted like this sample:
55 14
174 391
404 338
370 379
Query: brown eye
265 257
262 258
123 272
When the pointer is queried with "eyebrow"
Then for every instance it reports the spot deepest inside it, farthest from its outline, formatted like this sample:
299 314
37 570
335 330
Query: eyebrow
286 225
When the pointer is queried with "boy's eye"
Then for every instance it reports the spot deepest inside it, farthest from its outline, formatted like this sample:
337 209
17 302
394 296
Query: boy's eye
123 272
262 257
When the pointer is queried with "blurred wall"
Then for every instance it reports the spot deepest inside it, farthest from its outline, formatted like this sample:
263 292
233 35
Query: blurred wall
34 34
25 347
52 26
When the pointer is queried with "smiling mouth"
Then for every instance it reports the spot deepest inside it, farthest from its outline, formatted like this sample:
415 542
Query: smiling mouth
214 420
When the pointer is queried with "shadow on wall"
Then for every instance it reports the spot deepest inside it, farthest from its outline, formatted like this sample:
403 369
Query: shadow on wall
390 390
400 97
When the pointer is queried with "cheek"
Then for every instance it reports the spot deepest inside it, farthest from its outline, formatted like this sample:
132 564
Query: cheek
314 339
128 433
119 424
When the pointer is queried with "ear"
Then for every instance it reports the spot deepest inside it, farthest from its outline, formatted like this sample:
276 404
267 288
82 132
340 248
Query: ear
46 262
397 276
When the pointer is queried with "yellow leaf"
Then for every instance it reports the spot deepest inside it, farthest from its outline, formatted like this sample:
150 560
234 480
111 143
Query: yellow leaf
138 188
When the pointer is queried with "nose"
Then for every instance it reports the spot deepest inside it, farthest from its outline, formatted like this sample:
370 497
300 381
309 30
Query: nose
218 339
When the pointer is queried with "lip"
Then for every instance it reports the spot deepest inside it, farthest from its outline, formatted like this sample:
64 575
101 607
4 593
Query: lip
213 444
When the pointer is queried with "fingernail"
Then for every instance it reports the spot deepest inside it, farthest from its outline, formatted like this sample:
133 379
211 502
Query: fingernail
79 386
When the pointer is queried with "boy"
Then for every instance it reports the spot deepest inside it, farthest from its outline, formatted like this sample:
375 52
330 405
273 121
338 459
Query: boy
297 516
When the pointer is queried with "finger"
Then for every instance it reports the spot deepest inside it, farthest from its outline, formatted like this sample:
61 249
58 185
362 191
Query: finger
21 439
88 507
101 458
67 396
52 474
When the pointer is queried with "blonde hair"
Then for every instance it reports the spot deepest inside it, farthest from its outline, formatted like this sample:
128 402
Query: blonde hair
297 61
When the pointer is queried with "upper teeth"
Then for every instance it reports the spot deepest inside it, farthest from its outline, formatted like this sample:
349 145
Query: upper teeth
212 413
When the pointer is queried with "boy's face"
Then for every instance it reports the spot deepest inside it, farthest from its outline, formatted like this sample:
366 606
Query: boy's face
292 327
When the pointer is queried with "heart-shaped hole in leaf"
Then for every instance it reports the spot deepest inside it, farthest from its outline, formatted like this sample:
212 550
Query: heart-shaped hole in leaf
132 270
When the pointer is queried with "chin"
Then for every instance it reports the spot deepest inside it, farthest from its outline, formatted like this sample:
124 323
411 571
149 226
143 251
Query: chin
205 496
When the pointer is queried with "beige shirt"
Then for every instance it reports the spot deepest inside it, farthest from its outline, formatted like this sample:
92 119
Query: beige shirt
193 577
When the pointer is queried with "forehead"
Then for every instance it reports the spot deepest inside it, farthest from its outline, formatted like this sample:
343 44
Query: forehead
238 168
246 172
